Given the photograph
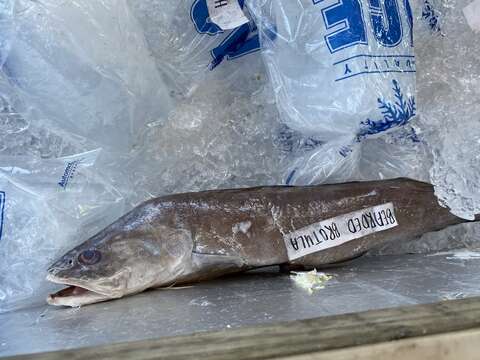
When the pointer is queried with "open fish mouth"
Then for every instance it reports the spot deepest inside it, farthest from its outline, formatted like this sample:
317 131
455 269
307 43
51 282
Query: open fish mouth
74 295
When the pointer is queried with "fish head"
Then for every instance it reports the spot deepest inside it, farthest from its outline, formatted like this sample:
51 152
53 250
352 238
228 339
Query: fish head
120 261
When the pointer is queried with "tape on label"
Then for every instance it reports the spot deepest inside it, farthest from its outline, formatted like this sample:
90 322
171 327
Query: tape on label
227 14
472 14
339 230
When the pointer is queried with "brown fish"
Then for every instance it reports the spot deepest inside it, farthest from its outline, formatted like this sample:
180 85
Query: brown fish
191 237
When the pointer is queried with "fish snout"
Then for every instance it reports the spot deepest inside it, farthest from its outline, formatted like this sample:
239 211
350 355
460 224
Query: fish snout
63 264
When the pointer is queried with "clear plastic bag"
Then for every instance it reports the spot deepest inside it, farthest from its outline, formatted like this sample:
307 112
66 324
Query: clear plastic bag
194 47
341 72
342 69
448 53
58 100
213 139
399 153
46 207
25 131
222 130
6 28
86 67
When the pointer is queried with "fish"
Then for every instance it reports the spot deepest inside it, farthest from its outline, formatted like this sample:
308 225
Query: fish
192 237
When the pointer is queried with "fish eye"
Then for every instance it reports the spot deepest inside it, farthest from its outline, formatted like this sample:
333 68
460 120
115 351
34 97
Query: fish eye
89 257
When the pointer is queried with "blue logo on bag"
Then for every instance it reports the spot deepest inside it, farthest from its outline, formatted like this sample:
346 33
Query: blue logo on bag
2 207
241 41
69 173
347 21
346 24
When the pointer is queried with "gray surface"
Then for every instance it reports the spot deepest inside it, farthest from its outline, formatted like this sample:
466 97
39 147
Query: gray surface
264 297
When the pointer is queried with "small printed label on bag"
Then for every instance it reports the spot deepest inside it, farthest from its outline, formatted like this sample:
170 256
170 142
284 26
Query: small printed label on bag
72 163
227 14
69 172
339 230
2 207
472 14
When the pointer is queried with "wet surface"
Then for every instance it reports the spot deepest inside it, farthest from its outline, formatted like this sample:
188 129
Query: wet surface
262 297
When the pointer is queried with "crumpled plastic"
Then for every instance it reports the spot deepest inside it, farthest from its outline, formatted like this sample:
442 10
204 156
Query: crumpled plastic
25 131
78 90
46 207
114 103
213 139
341 73
223 130
193 49
6 28
86 67
448 52
299 158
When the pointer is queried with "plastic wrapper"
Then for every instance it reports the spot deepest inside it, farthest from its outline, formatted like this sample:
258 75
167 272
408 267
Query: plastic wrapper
76 76
214 139
447 47
341 72
6 28
193 47
308 160
402 153
46 207
298 157
332 80
464 236
25 131
86 67
223 131
62 93
448 52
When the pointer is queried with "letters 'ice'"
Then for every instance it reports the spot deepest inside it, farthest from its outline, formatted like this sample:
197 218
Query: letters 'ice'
341 72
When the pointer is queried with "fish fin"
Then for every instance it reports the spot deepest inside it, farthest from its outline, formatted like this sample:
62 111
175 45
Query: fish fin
213 265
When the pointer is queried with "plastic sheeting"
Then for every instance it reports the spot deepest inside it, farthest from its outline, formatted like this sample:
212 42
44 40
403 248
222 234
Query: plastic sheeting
91 123
46 206
341 72
78 89
449 99
85 65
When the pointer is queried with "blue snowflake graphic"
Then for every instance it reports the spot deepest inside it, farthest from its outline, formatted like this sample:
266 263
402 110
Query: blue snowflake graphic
394 114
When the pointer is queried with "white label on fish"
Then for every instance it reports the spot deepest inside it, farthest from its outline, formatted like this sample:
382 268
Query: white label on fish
339 230
227 14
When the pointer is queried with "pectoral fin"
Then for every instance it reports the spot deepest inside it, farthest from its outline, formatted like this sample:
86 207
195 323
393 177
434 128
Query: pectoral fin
209 266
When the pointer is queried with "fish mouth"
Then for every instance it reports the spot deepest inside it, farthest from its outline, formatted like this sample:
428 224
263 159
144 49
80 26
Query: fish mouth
75 294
